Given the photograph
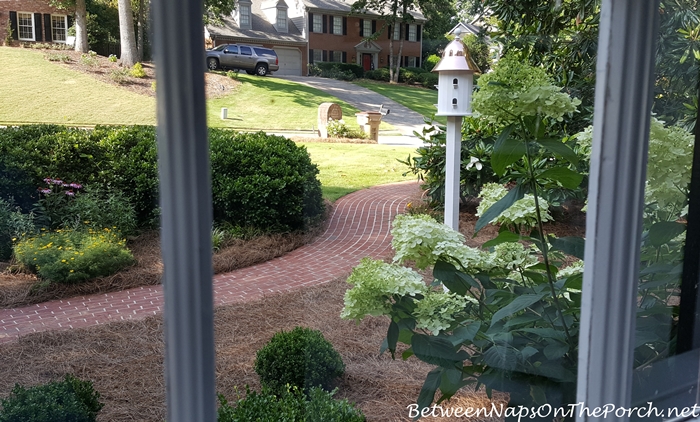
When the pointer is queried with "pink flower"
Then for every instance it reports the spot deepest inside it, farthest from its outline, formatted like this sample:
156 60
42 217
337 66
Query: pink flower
75 185
45 191
70 193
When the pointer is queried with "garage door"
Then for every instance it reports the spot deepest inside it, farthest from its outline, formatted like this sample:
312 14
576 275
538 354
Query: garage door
290 61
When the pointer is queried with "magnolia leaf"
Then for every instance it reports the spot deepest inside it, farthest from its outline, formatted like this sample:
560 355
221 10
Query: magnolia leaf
572 245
430 386
437 351
506 151
560 149
567 178
663 232
502 357
504 237
518 304
515 194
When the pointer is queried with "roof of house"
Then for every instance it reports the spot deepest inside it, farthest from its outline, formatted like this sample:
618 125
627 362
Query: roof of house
346 7
261 28
466 26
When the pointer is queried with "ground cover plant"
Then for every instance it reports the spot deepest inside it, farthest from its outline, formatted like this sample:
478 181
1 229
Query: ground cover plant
420 100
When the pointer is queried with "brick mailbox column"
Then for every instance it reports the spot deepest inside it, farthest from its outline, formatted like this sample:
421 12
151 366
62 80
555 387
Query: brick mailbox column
369 121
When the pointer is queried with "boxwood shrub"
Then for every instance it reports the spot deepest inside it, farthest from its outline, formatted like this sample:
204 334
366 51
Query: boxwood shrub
69 400
263 181
356 69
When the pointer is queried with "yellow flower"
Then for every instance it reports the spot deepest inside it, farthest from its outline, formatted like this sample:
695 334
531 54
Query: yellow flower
71 270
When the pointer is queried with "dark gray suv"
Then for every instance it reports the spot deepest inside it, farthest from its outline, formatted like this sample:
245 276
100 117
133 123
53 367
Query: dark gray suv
254 60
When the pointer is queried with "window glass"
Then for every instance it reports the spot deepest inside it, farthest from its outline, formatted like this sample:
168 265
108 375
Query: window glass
318 56
221 47
412 31
318 23
245 15
281 19
337 56
412 62
58 28
367 27
397 32
25 26
337 25
246 51
232 49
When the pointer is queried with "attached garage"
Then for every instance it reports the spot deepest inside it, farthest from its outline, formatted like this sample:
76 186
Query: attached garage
289 61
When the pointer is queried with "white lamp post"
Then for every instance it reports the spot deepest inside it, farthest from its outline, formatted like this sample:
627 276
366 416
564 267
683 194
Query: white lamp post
455 83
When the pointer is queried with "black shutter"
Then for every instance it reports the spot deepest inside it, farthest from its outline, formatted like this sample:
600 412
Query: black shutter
325 55
47 27
418 29
13 25
70 21
345 25
362 28
374 26
37 27
331 57
417 61
405 33
311 23
311 56
345 57
325 24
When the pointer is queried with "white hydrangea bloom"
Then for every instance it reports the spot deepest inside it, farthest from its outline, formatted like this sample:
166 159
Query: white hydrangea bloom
513 256
471 260
574 268
437 310
374 282
522 212
415 238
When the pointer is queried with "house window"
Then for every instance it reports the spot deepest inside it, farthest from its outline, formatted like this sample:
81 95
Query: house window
244 11
337 25
397 32
412 62
281 20
318 23
25 26
367 27
318 56
412 33
337 56
58 28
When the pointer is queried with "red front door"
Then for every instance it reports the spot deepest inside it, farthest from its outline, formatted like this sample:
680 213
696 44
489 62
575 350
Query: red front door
367 61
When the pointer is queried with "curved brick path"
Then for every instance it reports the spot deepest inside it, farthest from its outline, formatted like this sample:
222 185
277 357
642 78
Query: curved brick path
359 227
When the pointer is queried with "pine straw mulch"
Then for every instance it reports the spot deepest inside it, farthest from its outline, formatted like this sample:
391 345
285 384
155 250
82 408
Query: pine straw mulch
124 360
19 289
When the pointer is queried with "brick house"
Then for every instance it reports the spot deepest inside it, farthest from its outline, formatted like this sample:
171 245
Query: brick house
312 31
34 21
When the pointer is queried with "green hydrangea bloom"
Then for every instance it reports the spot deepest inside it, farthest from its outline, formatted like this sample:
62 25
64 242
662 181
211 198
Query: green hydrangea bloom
374 282
574 268
521 213
416 236
437 310
513 256
471 260
515 89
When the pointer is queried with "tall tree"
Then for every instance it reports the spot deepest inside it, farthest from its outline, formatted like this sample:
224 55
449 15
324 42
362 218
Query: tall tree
126 34
81 39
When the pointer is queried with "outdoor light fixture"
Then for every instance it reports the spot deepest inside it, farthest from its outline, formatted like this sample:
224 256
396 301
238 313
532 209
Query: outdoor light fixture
455 83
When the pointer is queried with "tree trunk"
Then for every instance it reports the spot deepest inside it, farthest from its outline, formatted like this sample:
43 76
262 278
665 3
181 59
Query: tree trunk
81 41
399 57
139 40
126 34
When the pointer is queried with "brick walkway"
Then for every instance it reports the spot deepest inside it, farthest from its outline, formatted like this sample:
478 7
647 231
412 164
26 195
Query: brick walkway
359 227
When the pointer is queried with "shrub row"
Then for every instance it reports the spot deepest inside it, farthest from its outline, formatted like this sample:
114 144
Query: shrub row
409 75
258 180
355 69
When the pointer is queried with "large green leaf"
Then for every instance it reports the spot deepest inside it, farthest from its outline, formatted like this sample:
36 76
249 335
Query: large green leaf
506 151
568 178
555 350
430 386
392 337
496 209
504 237
462 334
451 381
663 232
560 149
572 245
455 280
437 351
502 357
518 304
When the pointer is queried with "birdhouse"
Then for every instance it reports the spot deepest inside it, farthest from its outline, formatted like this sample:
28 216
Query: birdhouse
456 72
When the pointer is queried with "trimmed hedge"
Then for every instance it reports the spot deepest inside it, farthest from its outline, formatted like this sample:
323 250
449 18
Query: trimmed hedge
409 75
262 181
356 69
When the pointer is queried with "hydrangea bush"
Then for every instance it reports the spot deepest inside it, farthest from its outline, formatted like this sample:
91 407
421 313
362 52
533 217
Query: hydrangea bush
521 214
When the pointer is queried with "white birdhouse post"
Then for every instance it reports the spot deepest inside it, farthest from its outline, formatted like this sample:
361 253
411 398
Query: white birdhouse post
455 83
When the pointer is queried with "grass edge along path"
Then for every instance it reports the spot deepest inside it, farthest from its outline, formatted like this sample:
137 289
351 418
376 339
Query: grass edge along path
421 100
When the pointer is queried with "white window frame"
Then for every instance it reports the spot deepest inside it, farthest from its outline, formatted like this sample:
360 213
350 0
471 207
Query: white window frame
317 24
20 26
412 32
367 27
244 16
317 55
337 57
55 29
281 20
337 25
397 32
412 61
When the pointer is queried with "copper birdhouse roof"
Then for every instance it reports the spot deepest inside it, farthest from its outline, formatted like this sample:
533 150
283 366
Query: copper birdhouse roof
456 57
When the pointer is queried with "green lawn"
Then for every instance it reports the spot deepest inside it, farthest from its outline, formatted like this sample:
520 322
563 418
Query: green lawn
420 100
35 90
345 168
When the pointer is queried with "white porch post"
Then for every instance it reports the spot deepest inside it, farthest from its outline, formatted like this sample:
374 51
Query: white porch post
452 170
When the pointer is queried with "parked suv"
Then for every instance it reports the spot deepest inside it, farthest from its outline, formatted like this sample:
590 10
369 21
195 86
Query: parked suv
252 59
